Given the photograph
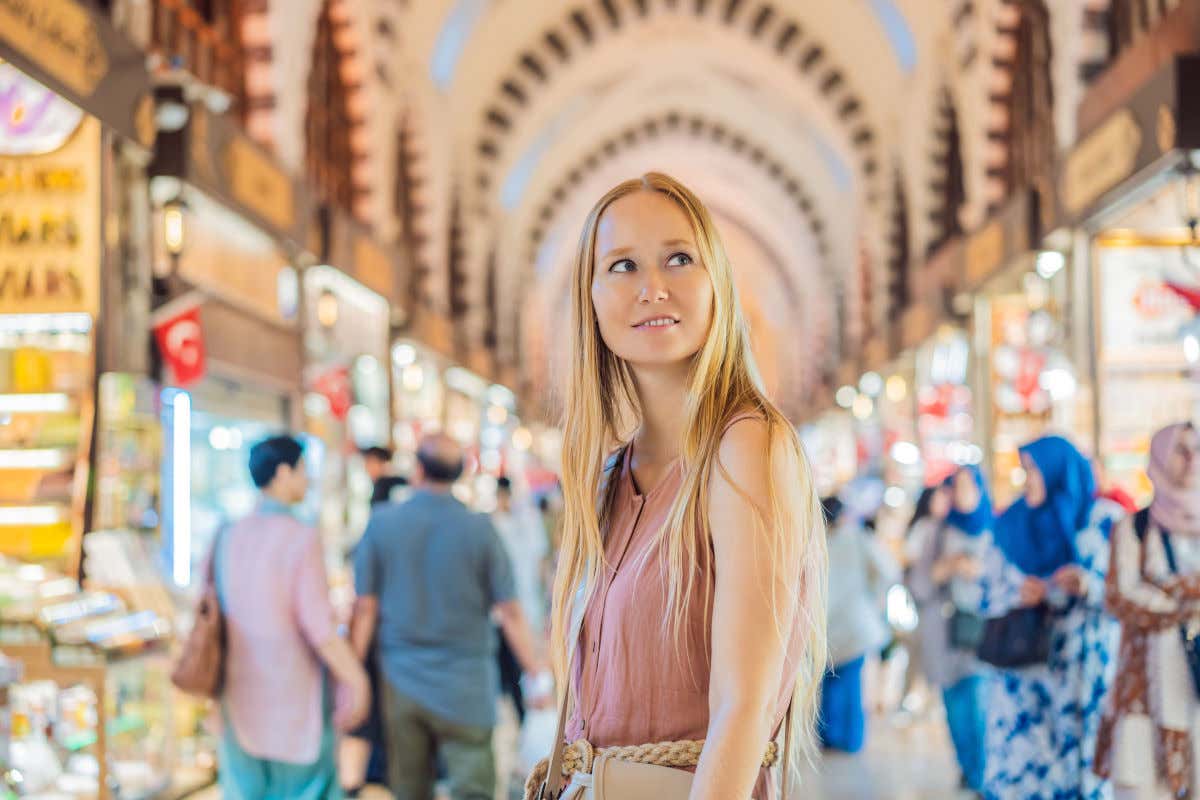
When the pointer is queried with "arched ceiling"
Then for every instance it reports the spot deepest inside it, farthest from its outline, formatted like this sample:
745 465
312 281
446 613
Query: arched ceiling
792 118
769 109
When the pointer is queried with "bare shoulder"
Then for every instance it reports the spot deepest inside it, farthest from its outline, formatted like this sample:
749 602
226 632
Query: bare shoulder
753 454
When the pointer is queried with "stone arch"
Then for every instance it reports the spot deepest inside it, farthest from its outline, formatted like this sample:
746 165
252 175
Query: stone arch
279 39
946 187
585 27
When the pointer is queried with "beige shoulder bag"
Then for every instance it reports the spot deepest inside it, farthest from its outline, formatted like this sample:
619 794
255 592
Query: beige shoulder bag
640 772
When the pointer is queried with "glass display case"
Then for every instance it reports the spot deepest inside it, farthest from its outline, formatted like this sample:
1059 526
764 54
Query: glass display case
92 714
46 414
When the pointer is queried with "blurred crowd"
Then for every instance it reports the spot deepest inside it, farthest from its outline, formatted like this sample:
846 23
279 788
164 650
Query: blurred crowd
1058 635
451 612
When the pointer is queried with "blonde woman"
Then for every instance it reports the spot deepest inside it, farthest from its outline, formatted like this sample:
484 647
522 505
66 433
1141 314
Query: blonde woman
689 600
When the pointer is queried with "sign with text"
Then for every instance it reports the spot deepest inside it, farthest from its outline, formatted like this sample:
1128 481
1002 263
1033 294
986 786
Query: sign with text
73 48
50 227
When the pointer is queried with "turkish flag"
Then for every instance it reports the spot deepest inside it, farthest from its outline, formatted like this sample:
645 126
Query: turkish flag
1189 293
181 341
335 385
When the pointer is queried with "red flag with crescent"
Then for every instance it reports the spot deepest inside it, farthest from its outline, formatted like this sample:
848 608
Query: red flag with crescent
180 338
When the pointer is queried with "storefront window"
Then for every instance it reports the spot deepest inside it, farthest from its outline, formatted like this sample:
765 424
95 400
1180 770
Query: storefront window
208 433
1029 386
348 405
1146 265
946 426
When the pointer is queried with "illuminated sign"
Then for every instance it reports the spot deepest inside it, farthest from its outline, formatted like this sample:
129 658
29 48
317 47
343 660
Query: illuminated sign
33 119
50 227
60 36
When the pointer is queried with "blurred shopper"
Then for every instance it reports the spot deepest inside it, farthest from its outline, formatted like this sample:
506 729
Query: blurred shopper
1152 728
362 756
278 706
1049 565
862 573
430 574
377 461
949 536
520 529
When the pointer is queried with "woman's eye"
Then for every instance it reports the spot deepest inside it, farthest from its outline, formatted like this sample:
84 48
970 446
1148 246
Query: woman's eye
679 260
624 265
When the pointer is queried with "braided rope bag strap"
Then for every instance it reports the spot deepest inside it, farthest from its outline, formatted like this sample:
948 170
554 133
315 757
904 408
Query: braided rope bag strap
580 756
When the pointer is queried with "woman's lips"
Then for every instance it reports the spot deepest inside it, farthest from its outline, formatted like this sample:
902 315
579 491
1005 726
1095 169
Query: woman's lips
657 323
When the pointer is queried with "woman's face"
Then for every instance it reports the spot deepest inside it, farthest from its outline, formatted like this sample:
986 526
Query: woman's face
939 504
653 298
1035 483
966 492
1183 467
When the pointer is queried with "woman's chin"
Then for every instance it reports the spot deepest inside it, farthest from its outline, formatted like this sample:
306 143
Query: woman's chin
657 359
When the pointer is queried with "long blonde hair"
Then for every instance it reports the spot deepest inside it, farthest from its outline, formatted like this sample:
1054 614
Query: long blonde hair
601 405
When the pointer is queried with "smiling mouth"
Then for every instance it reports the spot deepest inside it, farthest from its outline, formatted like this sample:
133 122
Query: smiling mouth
657 322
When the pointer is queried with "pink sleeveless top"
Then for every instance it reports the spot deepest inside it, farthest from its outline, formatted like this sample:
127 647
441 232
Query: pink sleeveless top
633 682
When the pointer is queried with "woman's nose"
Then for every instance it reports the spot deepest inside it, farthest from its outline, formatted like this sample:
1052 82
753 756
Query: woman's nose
653 290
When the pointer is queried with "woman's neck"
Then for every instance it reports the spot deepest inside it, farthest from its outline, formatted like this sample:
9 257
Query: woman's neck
662 397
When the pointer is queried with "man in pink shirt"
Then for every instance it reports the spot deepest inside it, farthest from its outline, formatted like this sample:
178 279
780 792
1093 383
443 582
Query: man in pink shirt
278 739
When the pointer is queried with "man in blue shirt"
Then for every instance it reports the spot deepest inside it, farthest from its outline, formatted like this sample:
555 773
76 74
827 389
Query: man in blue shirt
431 575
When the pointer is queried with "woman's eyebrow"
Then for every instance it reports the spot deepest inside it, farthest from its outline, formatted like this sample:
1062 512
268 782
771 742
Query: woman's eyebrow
616 251
677 242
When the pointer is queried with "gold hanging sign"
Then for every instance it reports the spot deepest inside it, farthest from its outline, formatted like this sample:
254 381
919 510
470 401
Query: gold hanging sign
59 36
50 227
1101 161
257 183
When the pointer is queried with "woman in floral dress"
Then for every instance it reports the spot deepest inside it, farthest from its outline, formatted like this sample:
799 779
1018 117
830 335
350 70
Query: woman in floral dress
1051 547
1149 735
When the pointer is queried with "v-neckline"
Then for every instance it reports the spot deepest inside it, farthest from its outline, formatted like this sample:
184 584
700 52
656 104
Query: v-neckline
670 468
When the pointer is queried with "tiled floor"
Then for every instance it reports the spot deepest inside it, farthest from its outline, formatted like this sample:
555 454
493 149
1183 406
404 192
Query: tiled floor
901 762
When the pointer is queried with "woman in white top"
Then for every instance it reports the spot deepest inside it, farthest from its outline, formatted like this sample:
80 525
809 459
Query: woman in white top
1149 736
863 571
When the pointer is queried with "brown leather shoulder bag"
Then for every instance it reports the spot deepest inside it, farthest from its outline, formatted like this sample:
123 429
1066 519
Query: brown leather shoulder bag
200 669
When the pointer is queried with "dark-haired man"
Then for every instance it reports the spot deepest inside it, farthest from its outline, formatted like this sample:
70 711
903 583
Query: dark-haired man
377 461
430 575
281 636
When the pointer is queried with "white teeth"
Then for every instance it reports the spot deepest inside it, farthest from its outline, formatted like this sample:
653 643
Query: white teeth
657 323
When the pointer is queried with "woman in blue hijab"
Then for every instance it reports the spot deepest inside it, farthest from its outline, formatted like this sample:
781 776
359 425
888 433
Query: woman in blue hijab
945 548
1051 549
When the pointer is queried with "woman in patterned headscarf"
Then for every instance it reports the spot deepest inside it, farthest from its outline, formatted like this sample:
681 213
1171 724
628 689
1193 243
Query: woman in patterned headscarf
1051 549
1150 729
947 536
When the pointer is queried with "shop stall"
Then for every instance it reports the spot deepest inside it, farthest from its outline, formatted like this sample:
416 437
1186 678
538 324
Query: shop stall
945 419
347 407
1131 189
830 443
92 712
50 257
1026 377
419 397
88 701
230 343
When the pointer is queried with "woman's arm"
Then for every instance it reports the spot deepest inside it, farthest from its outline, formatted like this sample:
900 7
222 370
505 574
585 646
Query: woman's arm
755 604
1084 582
1000 585
314 615
1132 599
